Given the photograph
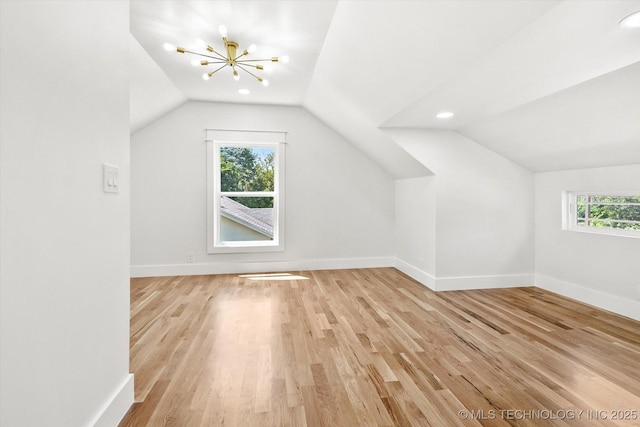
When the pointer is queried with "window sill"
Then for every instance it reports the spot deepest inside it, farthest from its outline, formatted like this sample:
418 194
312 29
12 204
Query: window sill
606 231
239 249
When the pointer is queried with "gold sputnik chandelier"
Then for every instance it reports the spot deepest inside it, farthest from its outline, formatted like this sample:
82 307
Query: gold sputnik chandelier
232 59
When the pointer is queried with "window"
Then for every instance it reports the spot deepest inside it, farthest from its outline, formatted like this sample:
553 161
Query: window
615 213
245 192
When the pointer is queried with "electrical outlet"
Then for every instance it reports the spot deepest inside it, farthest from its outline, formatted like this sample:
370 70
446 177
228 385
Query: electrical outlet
190 257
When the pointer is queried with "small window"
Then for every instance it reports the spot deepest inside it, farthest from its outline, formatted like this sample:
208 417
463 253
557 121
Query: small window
246 191
615 213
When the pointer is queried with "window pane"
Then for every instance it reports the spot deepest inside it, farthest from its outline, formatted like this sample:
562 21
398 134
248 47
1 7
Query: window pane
581 207
615 199
246 218
599 224
599 212
247 168
617 212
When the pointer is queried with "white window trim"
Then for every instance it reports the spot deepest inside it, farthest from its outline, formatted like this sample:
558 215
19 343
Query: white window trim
214 245
570 213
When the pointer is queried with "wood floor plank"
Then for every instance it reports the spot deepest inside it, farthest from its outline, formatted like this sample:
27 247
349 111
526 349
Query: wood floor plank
372 347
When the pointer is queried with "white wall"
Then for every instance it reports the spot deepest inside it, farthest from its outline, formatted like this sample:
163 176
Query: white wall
484 211
64 244
339 204
415 227
597 269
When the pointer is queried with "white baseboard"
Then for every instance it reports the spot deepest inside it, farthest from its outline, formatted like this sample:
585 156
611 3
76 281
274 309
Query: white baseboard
117 406
596 298
460 283
258 267
616 304
415 273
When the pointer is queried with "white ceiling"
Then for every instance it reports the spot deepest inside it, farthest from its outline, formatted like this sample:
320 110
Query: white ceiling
294 28
548 84
151 93
596 123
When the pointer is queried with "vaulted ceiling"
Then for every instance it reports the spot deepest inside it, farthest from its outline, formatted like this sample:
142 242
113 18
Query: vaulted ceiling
550 85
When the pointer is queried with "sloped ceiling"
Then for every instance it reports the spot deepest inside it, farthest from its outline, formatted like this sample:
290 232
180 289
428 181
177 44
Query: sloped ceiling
151 93
548 84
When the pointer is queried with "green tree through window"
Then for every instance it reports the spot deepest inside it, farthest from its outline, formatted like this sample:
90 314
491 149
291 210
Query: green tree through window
246 169
604 211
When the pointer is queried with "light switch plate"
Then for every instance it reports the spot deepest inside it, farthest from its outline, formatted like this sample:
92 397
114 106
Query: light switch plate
111 178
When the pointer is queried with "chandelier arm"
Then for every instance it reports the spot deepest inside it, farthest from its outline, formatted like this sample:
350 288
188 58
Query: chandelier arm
241 55
247 71
238 63
216 70
205 55
218 53
256 60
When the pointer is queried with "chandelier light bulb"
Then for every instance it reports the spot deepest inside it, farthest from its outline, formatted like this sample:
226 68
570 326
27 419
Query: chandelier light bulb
222 29
252 48
236 76
195 62
168 47
444 115
201 43
205 76
631 21
265 82
284 59
244 91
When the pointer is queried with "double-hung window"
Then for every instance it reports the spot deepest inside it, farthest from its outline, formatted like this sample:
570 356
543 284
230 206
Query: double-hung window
603 213
245 192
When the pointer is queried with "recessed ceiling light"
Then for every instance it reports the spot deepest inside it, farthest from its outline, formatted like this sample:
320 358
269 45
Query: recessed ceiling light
444 115
244 91
631 21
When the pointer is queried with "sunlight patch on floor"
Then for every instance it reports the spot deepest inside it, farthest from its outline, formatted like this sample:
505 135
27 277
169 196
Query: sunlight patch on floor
273 276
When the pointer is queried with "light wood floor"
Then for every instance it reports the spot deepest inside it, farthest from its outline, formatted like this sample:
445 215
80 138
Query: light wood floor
372 347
